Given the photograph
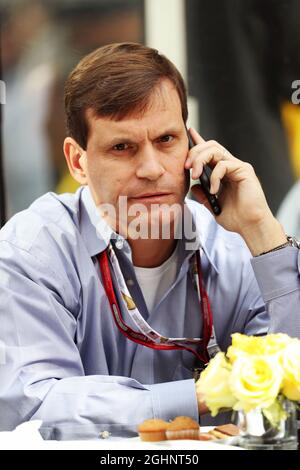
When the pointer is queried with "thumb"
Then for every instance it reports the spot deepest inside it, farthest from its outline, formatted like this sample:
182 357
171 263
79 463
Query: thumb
197 191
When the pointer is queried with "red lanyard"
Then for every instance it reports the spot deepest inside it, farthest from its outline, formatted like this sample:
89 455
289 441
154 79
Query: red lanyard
205 309
139 337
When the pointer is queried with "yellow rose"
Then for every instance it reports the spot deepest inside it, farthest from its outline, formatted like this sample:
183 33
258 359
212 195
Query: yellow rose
290 360
255 381
257 345
276 343
242 344
213 384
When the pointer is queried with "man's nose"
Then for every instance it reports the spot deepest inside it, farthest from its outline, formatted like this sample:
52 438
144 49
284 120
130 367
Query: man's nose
149 165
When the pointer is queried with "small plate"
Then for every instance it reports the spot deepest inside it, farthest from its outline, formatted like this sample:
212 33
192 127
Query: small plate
230 440
230 443
185 444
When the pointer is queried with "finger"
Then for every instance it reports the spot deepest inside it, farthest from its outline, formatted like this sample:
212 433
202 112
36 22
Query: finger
191 150
209 143
194 154
196 136
204 149
217 175
210 156
222 169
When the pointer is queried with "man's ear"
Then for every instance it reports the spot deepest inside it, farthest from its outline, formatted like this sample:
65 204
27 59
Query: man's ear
76 160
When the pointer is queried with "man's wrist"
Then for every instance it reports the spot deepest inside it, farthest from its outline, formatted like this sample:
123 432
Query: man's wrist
291 241
202 407
264 236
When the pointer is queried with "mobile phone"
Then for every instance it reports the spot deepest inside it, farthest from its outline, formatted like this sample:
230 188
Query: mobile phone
205 184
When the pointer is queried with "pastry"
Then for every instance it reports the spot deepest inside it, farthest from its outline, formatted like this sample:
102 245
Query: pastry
183 427
228 429
218 434
205 436
153 430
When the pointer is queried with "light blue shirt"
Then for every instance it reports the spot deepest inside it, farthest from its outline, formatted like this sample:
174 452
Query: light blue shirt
63 359
289 211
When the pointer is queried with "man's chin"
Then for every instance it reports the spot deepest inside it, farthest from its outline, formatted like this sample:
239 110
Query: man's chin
154 224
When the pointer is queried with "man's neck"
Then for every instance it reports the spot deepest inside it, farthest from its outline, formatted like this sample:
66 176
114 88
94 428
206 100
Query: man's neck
151 253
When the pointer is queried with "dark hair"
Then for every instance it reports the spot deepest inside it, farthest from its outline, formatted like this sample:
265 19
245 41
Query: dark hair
115 81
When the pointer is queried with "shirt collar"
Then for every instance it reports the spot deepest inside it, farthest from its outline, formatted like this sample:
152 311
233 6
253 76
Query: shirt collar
97 234
94 231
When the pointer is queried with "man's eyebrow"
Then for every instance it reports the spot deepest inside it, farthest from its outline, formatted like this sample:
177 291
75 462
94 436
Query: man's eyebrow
107 144
119 139
129 140
170 130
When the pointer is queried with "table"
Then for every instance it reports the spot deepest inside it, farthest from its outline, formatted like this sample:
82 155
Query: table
27 437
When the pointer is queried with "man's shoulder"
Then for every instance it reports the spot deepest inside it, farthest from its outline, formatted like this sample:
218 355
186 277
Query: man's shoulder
48 216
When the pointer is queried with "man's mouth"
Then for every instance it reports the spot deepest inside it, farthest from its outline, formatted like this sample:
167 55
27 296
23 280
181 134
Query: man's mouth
151 197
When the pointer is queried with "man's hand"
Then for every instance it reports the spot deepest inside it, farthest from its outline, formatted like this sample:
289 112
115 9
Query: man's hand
242 200
202 408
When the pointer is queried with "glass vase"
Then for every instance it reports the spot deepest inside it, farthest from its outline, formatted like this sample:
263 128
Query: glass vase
257 433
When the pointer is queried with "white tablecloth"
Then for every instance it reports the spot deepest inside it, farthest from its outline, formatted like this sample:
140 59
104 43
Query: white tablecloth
27 436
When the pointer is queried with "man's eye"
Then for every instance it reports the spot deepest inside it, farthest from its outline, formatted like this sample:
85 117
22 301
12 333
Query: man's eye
121 147
167 138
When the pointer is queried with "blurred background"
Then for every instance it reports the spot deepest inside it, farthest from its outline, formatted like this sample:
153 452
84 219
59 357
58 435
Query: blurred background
240 60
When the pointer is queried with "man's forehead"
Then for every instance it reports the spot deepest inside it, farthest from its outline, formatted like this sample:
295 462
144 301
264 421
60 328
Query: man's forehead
164 109
134 125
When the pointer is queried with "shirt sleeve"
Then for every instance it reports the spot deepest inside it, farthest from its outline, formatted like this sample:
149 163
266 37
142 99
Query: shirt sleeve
277 274
41 372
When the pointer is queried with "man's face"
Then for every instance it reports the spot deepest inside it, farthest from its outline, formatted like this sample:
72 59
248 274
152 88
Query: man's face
141 157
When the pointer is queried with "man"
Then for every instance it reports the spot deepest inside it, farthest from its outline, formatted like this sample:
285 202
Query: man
102 328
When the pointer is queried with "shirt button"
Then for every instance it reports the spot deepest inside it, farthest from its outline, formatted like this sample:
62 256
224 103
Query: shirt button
119 243
104 435
130 282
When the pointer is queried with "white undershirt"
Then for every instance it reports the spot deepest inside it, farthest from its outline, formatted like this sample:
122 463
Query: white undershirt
154 282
